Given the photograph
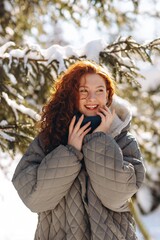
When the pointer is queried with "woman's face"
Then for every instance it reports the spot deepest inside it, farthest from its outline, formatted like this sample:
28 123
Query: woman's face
92 94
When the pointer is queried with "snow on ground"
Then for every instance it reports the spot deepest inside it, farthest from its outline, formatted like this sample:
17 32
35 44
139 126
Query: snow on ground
17 222
152 224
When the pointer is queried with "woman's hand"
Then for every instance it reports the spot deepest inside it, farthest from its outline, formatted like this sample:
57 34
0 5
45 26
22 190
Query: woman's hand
106 119
77 133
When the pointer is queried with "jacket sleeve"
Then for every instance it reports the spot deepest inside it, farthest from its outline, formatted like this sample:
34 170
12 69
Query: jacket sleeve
42 181
115 170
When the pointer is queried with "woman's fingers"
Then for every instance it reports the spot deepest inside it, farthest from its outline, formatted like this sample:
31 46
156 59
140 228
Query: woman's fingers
105 111
78 124
72 123
101 115
82 129
86 131
77 133
77 129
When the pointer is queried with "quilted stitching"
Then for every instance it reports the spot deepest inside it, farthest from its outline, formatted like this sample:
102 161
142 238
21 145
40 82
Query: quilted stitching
77 220
112 180
43 228
53 187
40 181
107 224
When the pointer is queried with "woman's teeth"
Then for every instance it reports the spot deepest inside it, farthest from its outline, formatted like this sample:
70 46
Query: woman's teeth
91 106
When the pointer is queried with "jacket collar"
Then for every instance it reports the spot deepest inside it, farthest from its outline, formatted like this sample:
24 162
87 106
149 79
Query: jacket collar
123 116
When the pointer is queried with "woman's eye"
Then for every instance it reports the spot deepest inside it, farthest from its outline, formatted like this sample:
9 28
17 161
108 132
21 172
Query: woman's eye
100 90
83 91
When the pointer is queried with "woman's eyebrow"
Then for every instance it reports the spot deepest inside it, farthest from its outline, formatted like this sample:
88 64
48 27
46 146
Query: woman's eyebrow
101 86
82 86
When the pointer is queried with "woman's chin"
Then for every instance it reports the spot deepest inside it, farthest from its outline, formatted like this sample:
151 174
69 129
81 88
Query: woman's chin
90 114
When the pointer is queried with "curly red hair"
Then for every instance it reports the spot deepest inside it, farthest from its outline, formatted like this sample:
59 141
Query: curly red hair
58 112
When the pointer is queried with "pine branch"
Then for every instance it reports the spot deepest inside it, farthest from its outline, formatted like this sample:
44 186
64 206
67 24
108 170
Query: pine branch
119 55
127 46
14 126
27 75
139 222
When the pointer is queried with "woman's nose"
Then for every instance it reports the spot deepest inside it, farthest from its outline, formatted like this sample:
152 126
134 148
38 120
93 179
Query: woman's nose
91 95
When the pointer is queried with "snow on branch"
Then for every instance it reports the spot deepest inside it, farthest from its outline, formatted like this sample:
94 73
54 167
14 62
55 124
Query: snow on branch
122 51
6 136
4 48
12 103
27 75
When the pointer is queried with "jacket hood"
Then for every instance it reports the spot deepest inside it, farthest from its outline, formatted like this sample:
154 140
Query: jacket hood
123 115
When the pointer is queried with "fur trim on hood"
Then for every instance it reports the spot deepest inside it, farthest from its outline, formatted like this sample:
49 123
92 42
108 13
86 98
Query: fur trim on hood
123 115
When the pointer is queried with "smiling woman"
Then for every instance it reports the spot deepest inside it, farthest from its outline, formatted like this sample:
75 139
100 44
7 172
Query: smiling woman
84 166
92 94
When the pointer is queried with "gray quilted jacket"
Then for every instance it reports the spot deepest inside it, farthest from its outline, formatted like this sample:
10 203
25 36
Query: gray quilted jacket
83 195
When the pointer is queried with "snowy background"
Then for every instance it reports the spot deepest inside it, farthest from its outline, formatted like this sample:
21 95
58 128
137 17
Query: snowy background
16 221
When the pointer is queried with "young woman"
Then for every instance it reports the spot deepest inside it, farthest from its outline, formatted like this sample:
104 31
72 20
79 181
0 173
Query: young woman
81 170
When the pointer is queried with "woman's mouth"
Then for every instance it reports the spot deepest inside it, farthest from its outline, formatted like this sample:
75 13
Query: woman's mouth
91 107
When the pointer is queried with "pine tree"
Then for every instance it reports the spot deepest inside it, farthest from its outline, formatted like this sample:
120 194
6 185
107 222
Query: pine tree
28 71
21 19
